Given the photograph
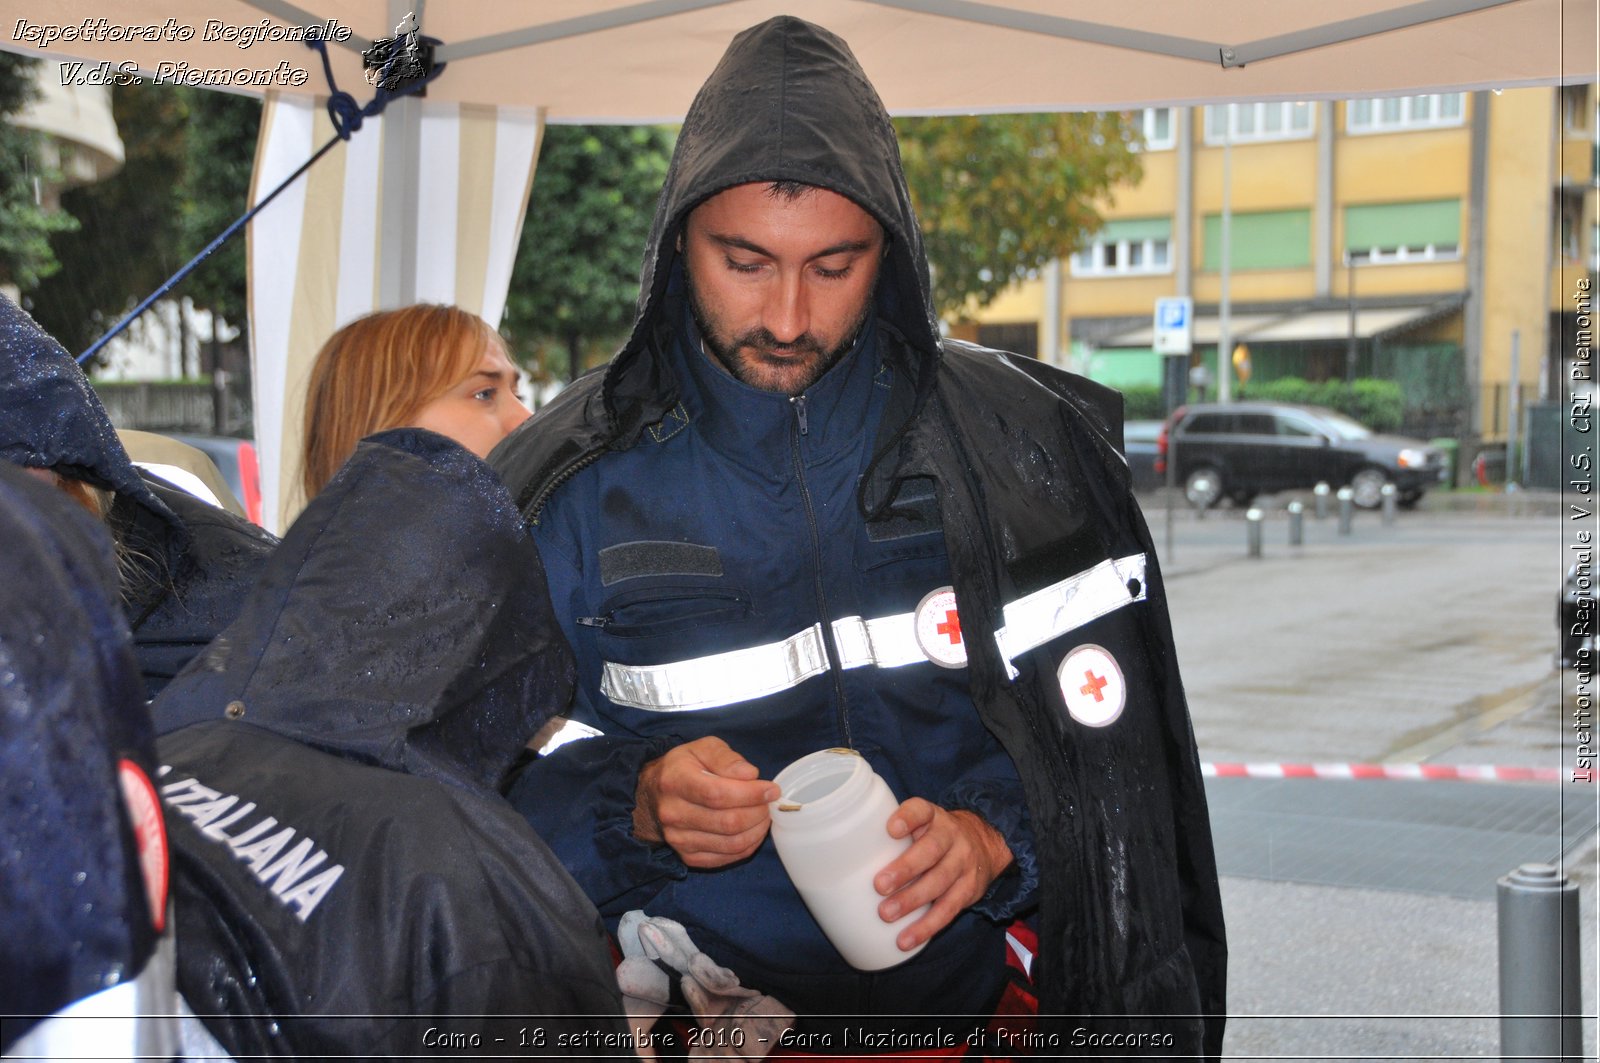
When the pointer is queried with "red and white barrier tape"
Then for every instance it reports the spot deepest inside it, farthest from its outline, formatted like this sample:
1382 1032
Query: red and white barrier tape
1472 772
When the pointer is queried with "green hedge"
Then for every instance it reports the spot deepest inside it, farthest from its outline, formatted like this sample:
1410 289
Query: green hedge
1142 403
1378 404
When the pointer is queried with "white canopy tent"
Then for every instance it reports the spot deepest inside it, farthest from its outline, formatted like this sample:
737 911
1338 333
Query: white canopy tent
427 202
621 61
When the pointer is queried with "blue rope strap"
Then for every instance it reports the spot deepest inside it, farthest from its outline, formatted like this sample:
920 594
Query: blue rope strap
347 117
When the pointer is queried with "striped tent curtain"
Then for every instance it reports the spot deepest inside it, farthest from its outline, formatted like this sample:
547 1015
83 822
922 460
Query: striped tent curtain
319 253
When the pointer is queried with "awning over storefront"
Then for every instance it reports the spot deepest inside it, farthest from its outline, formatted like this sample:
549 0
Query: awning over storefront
1298 327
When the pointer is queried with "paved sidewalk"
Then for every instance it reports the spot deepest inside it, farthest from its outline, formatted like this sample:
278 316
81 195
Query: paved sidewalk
1361 913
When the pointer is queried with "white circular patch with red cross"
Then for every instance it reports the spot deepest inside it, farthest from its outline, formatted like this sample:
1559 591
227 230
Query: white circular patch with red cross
1091 682
149 834
938 629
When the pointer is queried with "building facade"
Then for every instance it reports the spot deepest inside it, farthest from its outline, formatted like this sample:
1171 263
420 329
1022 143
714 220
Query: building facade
1435 240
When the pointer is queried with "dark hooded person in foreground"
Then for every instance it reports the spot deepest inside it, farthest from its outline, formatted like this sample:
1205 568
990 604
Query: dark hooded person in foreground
787 516
83 860
184 564
348 880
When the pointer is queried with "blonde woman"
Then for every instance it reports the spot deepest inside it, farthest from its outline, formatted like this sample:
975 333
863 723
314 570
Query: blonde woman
435 367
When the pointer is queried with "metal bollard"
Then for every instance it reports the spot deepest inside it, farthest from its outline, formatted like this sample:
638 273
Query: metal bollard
1391 504
1540 1002
1320 493
1347 509
1252 531
1297 523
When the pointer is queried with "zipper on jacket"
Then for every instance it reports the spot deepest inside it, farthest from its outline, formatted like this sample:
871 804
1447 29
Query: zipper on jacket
835 669
530 512
592 621
799 404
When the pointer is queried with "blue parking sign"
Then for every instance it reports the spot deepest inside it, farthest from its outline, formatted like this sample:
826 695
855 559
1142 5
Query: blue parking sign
1174 325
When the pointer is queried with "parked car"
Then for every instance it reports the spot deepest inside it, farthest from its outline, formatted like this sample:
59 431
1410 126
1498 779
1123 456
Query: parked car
1239 450
1576 616
1139 445
236 460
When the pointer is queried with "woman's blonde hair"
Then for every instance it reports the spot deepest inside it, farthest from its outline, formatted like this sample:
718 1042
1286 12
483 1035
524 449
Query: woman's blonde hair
377 372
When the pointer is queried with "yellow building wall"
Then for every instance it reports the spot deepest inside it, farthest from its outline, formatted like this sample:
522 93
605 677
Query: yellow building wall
1154 196
1517 247
1254 285
1280 175
1576 171
1403 278
1407 166
1528 155
1155 193
1020 302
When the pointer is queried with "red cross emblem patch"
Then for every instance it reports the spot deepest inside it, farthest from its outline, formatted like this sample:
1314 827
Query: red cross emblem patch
149 835
1092 684
938 629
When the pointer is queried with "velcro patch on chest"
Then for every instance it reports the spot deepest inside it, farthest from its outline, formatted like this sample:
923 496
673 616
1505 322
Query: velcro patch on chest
652 558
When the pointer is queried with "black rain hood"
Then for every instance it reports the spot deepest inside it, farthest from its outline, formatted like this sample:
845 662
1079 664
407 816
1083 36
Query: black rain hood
403 622
789 102
75 914
50 418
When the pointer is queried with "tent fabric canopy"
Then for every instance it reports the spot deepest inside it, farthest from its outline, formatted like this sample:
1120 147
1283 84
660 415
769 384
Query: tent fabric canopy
621 61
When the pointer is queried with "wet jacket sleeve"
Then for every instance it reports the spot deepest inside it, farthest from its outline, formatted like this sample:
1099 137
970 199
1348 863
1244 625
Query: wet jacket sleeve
992 790
580 796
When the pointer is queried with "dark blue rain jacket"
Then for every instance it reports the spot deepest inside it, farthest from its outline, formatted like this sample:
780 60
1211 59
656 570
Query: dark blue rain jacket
347 875
77 915
185 564
735 526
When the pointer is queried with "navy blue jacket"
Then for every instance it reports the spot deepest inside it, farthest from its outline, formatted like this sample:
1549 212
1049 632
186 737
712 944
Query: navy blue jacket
734 525
77 917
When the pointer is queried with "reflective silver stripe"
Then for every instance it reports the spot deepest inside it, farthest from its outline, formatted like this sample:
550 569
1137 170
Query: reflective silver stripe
1045 614
557 732
886 641
719 679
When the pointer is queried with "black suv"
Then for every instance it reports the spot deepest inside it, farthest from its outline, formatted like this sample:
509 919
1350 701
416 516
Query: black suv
1242 449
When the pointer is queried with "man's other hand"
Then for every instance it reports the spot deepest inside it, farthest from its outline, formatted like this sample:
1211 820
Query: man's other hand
704 800
953 858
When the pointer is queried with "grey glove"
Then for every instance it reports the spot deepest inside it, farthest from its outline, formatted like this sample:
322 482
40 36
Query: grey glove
740 1023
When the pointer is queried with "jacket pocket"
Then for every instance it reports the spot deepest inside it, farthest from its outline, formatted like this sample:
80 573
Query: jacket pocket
652 611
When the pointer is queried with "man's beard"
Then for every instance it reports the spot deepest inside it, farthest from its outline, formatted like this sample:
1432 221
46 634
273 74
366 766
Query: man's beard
752 359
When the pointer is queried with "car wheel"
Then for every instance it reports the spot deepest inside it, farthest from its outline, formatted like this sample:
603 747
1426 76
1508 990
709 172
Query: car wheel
1203 487
1367 485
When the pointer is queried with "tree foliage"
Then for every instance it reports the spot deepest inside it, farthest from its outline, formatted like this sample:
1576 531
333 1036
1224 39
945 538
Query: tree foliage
576 278
999 196
25 224
219 157
185 178
128 241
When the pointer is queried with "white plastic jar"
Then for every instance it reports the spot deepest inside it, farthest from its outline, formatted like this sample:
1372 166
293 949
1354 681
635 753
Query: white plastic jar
831 827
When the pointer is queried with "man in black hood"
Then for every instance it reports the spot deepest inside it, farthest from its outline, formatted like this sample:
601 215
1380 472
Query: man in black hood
788 516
